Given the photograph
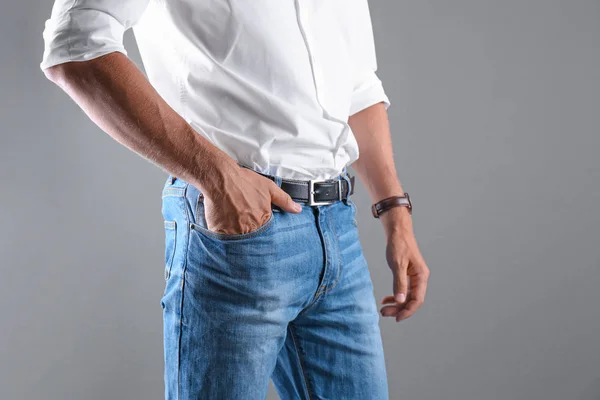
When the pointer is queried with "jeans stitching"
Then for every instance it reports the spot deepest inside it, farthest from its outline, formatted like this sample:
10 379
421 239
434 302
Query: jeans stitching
172 192
305 381
197 216
337 246
316 296
325 255
170 226
182 296
354 213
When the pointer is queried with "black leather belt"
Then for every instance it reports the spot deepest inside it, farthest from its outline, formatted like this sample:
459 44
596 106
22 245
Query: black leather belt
316 192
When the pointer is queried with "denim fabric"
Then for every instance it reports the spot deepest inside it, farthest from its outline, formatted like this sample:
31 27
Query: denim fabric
291 301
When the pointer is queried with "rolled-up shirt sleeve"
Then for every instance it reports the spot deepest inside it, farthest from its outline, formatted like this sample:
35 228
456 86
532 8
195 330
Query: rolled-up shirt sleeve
368 88
80 30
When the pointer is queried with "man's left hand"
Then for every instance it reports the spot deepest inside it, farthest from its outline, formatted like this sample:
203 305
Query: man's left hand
406 262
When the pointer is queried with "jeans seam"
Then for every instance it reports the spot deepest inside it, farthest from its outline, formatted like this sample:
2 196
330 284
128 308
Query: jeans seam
316 296
325 255
305 380
353 205
337 246
182 294
197 216
171 226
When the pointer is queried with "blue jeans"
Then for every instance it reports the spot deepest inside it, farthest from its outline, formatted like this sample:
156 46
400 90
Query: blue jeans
291 301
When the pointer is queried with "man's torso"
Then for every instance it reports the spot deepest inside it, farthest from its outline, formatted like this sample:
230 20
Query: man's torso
268 82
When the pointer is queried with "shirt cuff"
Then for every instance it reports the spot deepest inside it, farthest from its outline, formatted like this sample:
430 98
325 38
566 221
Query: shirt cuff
369 93
80 35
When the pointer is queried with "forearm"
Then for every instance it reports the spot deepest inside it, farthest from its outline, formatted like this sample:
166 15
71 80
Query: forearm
115 94
375 166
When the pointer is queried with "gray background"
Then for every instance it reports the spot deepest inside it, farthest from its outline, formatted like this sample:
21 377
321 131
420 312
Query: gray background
495 119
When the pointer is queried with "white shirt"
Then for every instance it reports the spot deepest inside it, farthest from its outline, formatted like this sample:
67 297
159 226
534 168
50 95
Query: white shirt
270 82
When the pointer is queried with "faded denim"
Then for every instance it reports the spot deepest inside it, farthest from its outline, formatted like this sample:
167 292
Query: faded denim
291 301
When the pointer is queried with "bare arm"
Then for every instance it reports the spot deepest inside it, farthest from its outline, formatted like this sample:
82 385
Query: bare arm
375 168
115 94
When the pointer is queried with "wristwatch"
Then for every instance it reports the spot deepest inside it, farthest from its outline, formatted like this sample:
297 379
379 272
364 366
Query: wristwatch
394 201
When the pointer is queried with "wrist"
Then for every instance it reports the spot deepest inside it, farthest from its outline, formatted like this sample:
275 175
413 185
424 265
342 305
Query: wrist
214 172
396 220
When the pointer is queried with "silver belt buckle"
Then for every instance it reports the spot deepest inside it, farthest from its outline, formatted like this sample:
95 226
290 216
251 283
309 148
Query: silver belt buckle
311 192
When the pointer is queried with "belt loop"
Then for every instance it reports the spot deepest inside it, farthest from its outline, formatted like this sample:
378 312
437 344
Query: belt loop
347 179
277 179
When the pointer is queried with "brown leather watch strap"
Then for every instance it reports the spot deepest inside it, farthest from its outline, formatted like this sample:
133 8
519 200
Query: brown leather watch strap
394 201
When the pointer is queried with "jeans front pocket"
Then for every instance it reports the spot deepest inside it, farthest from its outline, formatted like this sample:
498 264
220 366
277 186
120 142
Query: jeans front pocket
170 242
201 228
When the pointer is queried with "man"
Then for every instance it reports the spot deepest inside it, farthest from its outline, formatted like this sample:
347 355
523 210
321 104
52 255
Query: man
255 108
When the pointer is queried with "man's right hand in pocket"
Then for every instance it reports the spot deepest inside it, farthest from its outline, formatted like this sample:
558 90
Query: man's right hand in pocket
244 202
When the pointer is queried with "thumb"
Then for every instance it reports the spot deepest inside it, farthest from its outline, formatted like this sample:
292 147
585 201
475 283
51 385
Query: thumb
280 198
400 284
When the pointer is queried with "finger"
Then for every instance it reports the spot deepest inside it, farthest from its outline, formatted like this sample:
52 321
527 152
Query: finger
391 306
400 282
410 308
280 198
391 310
418 284
416 297
388 299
